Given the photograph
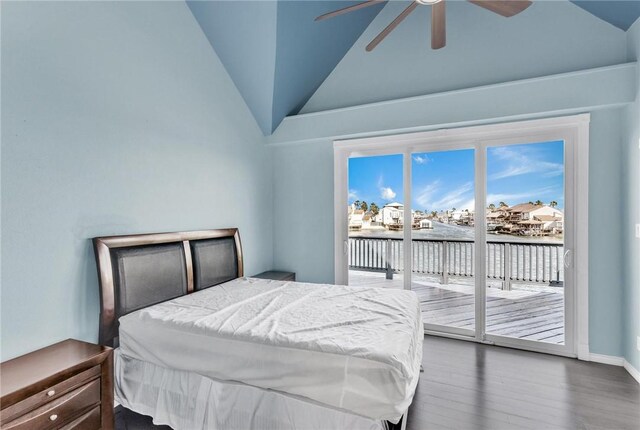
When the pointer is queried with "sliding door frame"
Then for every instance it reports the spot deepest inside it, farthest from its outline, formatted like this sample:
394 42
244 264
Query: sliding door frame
573 130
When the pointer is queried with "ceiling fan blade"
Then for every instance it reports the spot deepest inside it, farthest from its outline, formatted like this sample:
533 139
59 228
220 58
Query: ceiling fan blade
384 33
505 8
348 9
438 25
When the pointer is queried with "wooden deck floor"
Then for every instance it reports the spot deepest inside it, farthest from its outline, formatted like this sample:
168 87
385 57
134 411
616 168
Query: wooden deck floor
533 314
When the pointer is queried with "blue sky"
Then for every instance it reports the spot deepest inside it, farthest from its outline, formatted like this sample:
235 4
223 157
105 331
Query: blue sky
444 180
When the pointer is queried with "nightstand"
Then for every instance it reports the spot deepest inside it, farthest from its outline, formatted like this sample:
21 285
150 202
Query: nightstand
277 275
66 385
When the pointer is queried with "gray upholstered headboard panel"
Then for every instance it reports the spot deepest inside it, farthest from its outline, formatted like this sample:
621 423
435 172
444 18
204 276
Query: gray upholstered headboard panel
214 261
137 271
146 275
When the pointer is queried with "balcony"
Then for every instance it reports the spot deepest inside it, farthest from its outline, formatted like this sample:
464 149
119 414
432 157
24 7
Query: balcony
525 294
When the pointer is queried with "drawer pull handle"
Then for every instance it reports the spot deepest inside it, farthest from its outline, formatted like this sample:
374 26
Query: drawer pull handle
51 393
53 417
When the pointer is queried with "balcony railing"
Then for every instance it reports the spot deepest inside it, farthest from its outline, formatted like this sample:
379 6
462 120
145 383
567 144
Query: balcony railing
528 262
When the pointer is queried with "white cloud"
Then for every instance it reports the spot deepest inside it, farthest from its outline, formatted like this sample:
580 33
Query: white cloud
353 195
387 193
424 195
522 162
421 159
455 198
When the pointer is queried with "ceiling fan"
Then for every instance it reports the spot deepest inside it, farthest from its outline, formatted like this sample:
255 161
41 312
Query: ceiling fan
505 8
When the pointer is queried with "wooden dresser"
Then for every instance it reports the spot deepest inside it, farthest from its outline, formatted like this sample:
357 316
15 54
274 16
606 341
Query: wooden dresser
68 385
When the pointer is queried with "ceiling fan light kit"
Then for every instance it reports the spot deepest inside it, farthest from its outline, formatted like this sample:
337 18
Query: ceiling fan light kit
506 8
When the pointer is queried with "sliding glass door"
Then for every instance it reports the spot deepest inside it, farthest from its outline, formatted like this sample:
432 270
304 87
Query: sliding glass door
375 221
443 238
481 228
526 216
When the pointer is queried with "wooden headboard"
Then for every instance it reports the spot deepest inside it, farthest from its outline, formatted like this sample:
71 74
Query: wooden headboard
136 271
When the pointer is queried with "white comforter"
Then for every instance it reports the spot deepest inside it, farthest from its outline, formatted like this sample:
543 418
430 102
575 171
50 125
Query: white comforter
354 348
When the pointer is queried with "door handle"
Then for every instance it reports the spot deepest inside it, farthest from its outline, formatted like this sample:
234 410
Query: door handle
568 254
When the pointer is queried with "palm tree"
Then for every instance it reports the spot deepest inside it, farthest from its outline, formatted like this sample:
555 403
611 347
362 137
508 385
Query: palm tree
373 207
492 206
434 214
539 203
553 203
364 206
503 205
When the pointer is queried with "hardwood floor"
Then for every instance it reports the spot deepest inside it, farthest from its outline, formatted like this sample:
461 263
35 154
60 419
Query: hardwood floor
472 386
468 386
525 312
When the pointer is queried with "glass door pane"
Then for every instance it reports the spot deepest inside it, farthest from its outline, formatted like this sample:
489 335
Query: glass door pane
443 238
376 221
525 242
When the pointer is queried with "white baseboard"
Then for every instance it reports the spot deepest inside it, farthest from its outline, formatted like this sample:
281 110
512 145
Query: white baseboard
632 371
606 359
616 361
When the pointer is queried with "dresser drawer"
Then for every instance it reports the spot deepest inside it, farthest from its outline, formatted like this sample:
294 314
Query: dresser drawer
48 394
59 411
89 421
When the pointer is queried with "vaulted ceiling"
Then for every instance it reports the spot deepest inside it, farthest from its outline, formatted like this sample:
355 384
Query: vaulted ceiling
278 56
620 13
274 51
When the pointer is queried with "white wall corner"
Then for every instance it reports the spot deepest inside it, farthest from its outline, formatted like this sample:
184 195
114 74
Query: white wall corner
635 373
616 361
607 359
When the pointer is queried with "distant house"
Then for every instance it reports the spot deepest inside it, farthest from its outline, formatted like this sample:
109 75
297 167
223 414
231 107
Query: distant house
522 212
551 223
392 214
496 218
425 224
529 218
355 219
461 217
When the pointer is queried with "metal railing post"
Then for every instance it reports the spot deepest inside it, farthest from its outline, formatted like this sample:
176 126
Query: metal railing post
506 284
389 269
445 262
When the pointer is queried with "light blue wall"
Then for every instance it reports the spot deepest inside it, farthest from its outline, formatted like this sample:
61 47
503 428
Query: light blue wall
605 238
631 215
303 179
303 210
112 124
482 48
550 37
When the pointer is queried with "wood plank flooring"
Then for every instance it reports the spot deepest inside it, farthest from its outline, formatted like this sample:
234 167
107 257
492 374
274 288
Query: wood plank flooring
535 314
469 386
472 386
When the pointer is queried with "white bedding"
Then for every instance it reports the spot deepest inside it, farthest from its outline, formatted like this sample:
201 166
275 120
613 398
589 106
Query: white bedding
353 348
188 401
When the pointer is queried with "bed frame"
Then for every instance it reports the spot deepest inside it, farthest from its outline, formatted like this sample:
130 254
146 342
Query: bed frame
140 270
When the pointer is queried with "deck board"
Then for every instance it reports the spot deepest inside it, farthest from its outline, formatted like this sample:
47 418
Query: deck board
518 313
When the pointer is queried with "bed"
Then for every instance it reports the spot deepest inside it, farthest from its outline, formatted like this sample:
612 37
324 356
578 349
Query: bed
200 346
